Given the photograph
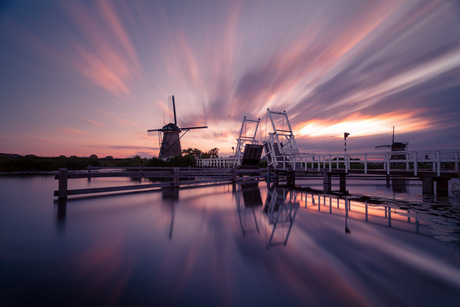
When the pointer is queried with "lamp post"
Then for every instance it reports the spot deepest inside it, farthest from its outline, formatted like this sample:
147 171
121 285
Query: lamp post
233 151
345 135
345 156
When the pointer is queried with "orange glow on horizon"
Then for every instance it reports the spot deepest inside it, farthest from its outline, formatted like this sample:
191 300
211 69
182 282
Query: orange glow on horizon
364 125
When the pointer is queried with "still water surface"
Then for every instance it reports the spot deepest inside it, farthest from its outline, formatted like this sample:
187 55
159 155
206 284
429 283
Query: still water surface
227 245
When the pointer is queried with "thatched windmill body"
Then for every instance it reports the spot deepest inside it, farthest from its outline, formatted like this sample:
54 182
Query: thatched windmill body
170 136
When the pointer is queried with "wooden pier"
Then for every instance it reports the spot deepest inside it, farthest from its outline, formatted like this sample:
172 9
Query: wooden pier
161 177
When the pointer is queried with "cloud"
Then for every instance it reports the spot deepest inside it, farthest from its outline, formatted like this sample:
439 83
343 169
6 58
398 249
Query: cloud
123 122
124 147
92 122
41 140
73 131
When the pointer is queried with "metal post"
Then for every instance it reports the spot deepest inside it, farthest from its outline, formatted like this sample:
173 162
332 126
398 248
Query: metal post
346 163
365 163
456 161
387 156
345 134
438 163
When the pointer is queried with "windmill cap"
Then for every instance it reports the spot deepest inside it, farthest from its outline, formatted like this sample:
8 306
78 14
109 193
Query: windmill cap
171 127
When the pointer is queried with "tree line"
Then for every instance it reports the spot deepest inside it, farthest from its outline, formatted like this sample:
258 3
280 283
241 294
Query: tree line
32 163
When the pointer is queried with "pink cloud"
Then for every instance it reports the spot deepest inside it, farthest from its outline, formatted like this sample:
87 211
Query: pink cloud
92 122
73 131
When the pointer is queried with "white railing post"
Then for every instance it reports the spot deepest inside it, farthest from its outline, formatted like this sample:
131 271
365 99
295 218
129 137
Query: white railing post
415 164
330 163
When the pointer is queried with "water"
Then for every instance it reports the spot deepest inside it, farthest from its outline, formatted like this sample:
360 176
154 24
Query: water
228 245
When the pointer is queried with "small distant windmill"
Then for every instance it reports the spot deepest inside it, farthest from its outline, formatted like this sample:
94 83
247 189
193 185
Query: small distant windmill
395 146
170 136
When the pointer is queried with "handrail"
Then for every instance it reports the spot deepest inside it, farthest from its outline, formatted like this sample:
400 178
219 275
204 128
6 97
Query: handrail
437 161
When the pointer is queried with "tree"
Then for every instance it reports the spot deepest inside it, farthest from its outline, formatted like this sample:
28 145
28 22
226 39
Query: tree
213 152
198 154
192 152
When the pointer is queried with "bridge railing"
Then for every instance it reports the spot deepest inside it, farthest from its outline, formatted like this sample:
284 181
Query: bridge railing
414 161
215 162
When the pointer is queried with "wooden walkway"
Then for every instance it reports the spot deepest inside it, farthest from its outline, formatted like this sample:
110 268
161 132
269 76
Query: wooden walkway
161 177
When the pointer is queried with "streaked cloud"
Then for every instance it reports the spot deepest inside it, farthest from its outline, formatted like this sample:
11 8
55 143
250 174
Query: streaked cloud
73 131
92 122
359 66
40 140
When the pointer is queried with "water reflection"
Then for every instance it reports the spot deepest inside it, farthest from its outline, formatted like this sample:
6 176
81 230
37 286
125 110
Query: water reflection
399 185
61 214
248 200
437 220
119 250
281 208
170 197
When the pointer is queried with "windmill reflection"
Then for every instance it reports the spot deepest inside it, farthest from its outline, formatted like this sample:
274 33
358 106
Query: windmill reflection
170 197
248 200
281 212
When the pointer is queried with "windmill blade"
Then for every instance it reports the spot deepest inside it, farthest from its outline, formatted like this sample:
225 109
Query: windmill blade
188 128
155 132
174 109
382 146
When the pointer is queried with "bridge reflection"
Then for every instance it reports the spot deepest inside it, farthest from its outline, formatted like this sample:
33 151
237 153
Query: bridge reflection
272 211
282 203
280 209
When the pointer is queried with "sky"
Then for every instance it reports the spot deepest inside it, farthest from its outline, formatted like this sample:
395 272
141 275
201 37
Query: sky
91 77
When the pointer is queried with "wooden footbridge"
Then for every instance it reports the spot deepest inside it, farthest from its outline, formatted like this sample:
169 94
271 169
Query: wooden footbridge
151 178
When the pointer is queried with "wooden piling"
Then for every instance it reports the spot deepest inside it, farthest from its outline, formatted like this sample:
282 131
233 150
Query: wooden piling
442 186
62 185
343 183
327 182
427 185
176 177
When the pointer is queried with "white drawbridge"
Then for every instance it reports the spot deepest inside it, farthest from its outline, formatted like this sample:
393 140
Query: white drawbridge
248 150
280 147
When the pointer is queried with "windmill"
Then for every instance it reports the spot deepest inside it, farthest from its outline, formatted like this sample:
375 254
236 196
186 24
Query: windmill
395 146
170 136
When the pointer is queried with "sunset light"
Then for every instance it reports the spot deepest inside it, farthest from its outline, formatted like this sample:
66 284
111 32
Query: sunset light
90 78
